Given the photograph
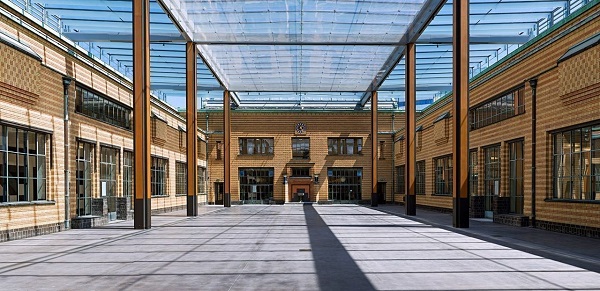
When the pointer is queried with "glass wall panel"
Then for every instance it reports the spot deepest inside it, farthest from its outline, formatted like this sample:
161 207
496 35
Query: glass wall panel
256 185
83 178
345 184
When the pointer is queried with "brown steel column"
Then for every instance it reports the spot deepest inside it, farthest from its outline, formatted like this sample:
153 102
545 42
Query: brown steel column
460 113
191 129
410 134
227 148
141 113
374 195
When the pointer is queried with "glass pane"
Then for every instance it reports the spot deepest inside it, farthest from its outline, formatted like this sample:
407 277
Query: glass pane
11 139
22 141
2 138
31 141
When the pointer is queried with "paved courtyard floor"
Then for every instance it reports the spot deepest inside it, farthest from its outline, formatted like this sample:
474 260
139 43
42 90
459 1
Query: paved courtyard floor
290 247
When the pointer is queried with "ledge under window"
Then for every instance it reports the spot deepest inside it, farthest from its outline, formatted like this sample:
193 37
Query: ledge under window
572 201
27 203
159 196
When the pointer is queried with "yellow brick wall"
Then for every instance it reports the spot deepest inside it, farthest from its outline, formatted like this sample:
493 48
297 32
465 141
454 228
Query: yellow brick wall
556 109
320 126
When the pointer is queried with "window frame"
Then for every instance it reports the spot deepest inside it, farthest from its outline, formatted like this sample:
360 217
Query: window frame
341 146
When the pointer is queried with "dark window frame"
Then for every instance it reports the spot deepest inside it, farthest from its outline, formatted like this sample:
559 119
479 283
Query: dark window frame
98 106
301 148
339 146
501 107
261 146
442 173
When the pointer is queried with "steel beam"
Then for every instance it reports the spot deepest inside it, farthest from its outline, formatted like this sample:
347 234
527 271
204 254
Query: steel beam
410 134
460 116
227 148
191 122
374 145
141 113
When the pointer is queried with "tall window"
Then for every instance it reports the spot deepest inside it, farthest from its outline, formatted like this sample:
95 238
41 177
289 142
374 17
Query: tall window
100 107
515 160
256 146
420 178
498 109
492 171
83 179
474 172
256 185
219 150
300 148
108 171
345 184
128 176
344 146
443 175
400 184
381 150
201 180
576 158
23 165
180 178
158 179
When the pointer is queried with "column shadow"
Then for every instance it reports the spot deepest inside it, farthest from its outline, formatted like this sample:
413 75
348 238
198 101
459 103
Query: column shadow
335 267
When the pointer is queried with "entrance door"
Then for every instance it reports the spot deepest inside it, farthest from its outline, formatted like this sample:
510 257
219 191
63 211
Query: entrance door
381 192
219 190
300 193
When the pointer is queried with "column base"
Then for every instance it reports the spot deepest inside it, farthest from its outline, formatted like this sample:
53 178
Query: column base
141 213
374 200
460 213
227 200
411 205
192 205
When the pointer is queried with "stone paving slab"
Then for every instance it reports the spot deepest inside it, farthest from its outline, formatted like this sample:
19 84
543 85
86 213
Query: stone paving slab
290 247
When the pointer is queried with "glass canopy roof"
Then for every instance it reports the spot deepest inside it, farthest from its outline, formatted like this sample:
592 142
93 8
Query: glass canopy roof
300 54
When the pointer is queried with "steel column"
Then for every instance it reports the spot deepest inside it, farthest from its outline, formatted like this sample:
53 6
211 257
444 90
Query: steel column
374 145
460 116
410 134
191 128
227 149
141 113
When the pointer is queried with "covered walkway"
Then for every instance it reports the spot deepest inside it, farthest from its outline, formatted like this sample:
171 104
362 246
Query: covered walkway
291 247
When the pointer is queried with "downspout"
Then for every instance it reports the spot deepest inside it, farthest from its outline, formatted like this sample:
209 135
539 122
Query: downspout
393 160
533 84
206 174
66 84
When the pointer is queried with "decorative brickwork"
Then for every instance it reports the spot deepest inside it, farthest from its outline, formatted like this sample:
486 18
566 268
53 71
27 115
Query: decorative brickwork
477 207
500 205
568 228
20 233
512 219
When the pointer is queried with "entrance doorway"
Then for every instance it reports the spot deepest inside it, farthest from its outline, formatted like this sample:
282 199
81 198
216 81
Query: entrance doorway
381 192
300 193
219 190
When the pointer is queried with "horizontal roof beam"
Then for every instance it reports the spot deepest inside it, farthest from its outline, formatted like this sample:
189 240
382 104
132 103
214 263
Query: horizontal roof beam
121 37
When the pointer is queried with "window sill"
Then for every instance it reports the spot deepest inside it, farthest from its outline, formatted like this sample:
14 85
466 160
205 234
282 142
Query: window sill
27 203
159 196
442 195
572 201
252 155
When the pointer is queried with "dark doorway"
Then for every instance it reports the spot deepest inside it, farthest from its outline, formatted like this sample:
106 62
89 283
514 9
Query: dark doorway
381 192
219 189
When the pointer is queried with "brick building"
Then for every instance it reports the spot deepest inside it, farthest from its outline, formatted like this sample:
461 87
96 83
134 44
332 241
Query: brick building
93 149
550 89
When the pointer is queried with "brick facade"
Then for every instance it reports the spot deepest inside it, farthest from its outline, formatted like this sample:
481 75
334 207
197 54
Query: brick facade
31 96
568 94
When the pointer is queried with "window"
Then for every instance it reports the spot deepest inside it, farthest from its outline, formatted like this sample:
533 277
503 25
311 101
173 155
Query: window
158 176
400 183
473 173
108 171
83 179
300 148
381 150
256 185
128 176
344 146
300 172
219 150
180 178
256 146
492 171
443 175
420 178
500 108
576 159
23 165
345 184
201 180
100 107
515 177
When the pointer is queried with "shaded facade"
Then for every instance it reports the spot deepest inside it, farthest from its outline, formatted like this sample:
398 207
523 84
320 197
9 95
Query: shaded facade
66 118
